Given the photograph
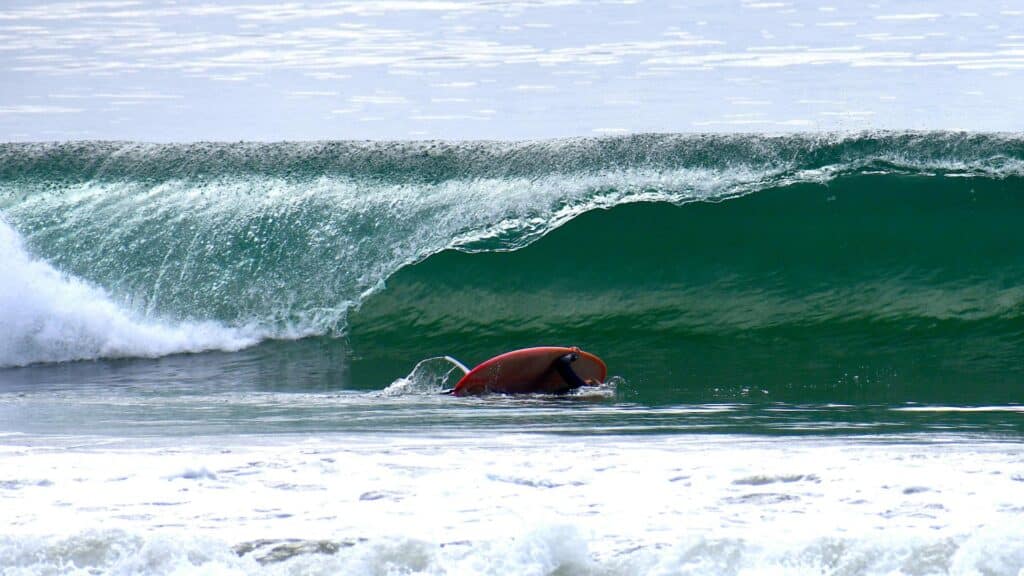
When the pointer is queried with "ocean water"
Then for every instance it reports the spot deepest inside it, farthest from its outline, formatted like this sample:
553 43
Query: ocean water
188 70
226 358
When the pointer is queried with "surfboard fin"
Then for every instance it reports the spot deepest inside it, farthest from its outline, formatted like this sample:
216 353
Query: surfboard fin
457 364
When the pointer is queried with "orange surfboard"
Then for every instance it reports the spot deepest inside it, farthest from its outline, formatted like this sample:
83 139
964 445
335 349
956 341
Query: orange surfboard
530 370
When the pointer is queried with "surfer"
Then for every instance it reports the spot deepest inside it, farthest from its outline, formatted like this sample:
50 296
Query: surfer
541 370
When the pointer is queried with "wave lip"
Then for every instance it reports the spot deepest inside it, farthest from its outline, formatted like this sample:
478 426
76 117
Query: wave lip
47 316
993 154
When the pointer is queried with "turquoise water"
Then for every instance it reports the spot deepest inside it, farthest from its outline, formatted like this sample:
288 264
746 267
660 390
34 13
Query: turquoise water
873 268
814 340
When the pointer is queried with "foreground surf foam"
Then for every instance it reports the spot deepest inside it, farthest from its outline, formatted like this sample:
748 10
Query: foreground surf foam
514 504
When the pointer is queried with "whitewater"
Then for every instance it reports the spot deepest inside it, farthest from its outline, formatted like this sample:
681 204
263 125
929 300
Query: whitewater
516 503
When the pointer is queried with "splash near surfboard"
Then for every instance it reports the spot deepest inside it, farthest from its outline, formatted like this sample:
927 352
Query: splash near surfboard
540 370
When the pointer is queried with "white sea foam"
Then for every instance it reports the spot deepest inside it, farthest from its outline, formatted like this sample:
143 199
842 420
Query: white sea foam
515 504
553 549
429 376
47 316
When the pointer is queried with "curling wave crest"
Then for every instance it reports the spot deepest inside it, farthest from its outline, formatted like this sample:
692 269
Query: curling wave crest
165 248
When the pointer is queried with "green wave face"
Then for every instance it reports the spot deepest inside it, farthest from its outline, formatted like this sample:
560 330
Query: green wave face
894 288
819 267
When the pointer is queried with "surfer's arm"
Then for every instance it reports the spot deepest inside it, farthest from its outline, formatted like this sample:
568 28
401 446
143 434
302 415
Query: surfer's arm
564 367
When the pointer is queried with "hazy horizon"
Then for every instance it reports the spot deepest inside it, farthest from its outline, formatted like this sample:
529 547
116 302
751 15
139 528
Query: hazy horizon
189 71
